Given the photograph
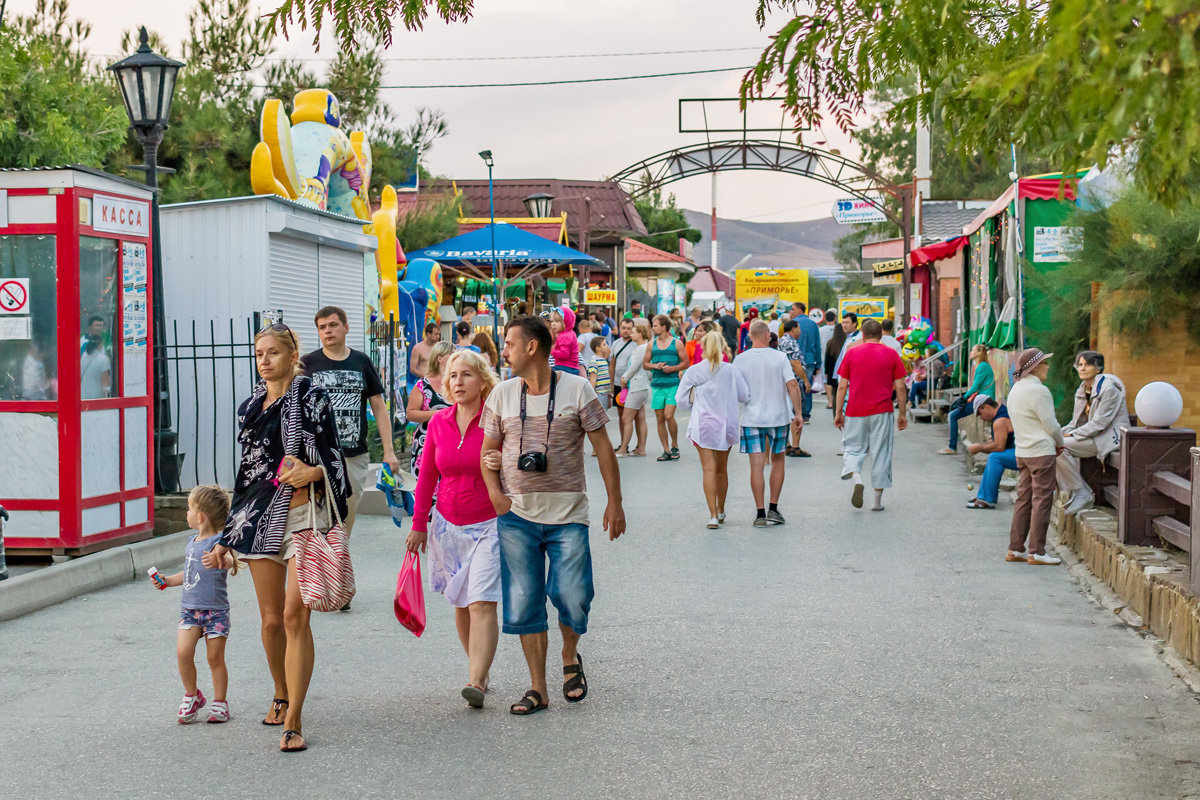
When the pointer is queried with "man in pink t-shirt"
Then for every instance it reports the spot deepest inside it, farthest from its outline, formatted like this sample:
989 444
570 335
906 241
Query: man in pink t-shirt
870 373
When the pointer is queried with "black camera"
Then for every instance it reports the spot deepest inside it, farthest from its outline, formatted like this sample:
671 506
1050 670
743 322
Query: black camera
531 462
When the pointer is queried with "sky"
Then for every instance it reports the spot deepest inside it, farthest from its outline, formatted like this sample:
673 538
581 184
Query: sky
582 131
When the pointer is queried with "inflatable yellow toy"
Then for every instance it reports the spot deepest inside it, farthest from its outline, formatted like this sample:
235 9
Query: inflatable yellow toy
310 159
383 225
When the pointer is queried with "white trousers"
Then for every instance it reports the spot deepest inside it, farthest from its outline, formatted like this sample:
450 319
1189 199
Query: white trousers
875 435
1070 479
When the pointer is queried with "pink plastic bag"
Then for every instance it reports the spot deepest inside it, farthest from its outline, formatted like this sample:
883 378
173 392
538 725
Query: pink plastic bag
409 604
623 395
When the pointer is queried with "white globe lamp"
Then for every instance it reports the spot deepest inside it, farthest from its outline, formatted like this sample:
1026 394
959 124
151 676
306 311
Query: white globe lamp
1158 405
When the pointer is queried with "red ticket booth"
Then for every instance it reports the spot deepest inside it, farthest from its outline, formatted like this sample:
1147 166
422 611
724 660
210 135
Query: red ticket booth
76 422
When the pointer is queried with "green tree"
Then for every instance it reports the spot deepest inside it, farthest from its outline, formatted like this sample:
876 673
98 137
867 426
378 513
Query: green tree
352 19
62 109
665 223
1074 79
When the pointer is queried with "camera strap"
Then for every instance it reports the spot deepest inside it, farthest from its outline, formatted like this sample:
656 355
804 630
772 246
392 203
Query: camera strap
549 409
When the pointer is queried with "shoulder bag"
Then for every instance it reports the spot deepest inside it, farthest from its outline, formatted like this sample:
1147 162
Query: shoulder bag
323 569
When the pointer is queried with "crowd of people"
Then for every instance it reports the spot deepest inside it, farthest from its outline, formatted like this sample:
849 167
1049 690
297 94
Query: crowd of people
501 504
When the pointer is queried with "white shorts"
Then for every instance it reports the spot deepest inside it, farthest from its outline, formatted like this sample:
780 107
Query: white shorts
299 519
637 400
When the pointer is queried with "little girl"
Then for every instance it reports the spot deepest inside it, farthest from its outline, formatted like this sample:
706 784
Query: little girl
566 344
205 604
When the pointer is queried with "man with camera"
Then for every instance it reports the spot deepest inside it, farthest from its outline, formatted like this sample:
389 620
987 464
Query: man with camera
532 461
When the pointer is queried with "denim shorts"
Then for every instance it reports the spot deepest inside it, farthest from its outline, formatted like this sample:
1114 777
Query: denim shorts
525 548
213 622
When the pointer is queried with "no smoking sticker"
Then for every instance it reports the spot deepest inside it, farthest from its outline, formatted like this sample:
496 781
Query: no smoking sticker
14 296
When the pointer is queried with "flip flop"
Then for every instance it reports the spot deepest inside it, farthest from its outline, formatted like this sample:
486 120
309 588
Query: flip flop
666 456
977 503
473 695
577 681
276 708
530 703
287 738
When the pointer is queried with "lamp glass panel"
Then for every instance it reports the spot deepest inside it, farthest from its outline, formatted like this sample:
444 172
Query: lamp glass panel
168 83
152 80
128 79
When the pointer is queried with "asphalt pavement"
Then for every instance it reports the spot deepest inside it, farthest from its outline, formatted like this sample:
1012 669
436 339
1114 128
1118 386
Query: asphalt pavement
846 654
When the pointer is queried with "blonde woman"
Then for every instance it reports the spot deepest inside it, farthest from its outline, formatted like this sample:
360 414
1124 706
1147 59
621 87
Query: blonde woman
713 390
637 382
426 398
464 560
289 450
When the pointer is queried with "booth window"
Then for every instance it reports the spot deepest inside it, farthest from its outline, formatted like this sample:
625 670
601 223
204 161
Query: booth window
28 340
99 291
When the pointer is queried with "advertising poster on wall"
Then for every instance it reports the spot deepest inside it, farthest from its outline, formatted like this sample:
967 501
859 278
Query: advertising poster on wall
769 289
681 296
134 307
864 307
666 296
1056 243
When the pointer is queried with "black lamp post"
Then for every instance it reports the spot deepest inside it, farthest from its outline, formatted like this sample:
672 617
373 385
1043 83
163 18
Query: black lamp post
486 155
147 82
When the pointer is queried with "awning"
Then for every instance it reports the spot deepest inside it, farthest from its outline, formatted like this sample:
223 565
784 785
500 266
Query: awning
556 284
936 251
1030 188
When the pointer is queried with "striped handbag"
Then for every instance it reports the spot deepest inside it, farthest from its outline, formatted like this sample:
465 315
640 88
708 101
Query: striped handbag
323 568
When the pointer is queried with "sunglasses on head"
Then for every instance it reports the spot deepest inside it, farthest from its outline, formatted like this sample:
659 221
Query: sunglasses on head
278 327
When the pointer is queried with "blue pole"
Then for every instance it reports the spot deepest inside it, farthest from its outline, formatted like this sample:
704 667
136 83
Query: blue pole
495 271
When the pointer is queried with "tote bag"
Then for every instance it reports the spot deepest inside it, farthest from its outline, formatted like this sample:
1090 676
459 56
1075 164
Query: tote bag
409 603
323 569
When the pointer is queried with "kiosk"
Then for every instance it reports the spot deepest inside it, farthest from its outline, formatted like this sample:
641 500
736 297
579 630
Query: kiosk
76 421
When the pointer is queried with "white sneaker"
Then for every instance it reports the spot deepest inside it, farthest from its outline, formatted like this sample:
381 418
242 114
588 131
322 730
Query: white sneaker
1017 555
721 517
1044 558
1079 501
219 712
714 523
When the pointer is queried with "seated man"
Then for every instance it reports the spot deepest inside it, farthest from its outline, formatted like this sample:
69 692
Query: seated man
1001 450
1095 427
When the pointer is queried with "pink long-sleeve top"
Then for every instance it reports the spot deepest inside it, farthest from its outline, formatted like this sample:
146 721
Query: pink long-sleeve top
450 466
566 344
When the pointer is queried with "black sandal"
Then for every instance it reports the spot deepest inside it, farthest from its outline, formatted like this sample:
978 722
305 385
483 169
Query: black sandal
287 737
530 703
578 681
276 708
666 456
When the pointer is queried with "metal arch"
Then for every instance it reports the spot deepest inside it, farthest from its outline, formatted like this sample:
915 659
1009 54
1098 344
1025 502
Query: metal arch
763 155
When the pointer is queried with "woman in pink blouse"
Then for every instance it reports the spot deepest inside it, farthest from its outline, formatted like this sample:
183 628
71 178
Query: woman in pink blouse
464 553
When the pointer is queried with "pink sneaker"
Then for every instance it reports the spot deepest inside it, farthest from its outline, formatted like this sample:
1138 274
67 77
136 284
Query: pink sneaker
219 712
190 707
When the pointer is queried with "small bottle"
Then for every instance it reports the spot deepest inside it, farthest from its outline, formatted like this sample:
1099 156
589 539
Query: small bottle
160 582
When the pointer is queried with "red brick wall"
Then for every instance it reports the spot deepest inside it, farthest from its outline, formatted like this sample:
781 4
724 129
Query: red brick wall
1166 355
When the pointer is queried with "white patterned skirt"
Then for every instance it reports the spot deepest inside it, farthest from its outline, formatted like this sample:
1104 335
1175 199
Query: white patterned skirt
464 561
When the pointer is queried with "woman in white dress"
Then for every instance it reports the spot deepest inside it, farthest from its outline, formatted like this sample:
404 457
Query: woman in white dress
713 390
637 381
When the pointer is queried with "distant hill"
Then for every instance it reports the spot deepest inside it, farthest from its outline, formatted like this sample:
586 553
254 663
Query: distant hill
772 245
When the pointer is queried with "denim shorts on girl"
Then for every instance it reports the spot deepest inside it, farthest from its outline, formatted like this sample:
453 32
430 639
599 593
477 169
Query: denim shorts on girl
213 622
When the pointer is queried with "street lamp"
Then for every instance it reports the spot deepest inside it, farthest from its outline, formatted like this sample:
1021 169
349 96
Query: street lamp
147 82
538 205
486 155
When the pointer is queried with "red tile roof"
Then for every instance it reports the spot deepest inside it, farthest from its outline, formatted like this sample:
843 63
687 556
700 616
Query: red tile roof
547 230
708 279
641 253
612 211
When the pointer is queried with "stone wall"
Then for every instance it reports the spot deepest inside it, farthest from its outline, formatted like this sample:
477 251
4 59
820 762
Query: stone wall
1165 355
1154 583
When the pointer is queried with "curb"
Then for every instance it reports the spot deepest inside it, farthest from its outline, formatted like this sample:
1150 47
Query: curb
34 591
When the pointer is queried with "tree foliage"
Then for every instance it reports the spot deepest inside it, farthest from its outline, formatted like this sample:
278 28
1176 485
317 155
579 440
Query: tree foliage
1074 79
61 109
665 223
351 19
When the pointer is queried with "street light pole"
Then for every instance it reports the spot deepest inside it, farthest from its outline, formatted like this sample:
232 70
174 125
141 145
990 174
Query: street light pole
147 83
486 155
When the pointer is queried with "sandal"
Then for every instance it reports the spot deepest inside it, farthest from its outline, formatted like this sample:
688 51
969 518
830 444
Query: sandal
674 453
946 451
577 681
284 746
530 703
276 711
977 503
666 456
473 695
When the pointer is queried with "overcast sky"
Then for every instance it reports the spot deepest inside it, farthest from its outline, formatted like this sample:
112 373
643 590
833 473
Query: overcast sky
586 131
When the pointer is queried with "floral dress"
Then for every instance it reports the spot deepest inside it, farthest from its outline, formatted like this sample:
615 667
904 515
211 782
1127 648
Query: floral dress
430 401
299 424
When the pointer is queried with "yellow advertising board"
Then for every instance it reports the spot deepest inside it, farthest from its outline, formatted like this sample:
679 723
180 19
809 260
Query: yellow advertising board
864 307
600 297
769 287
